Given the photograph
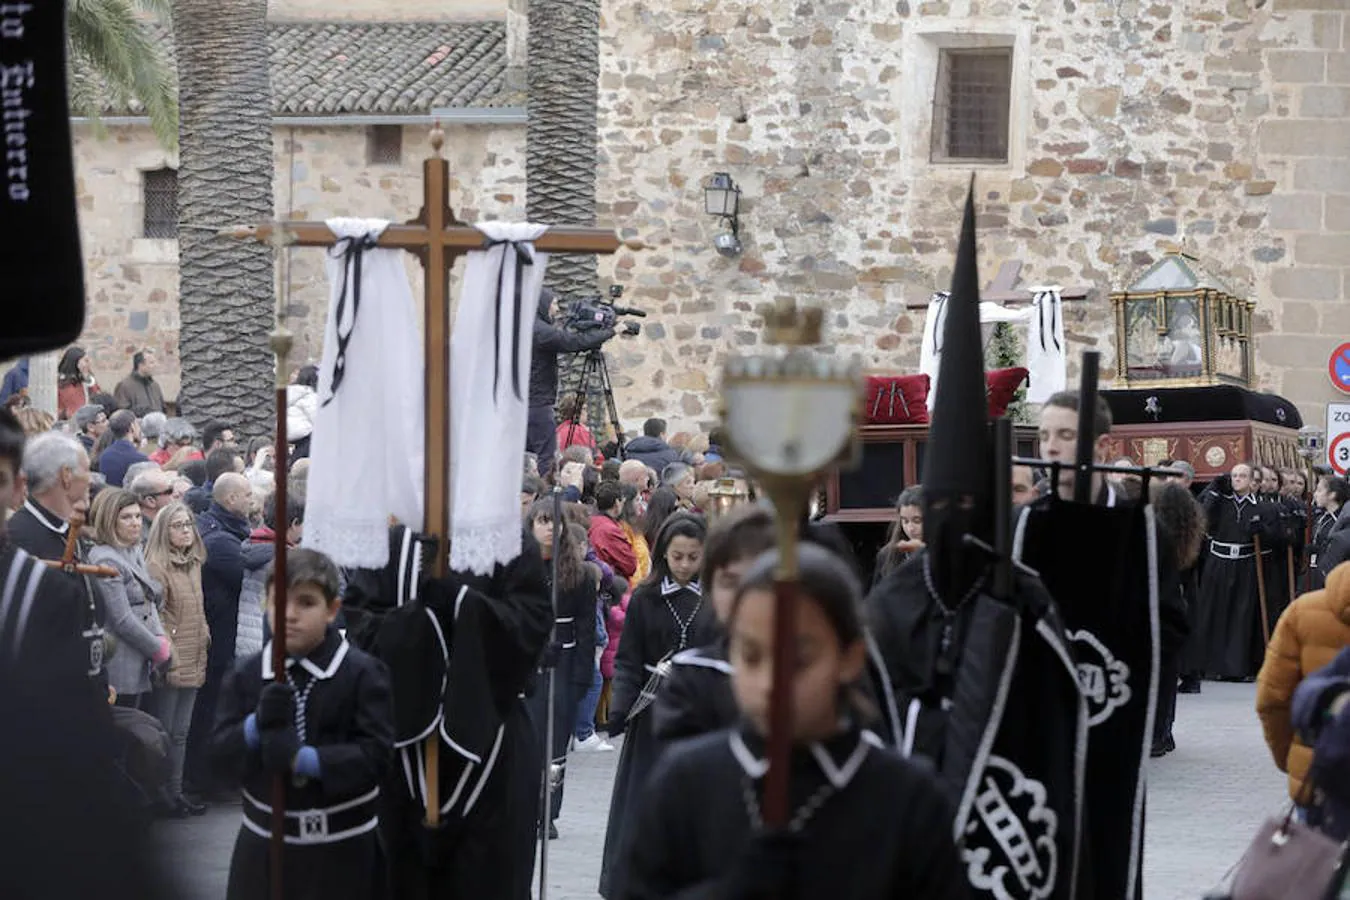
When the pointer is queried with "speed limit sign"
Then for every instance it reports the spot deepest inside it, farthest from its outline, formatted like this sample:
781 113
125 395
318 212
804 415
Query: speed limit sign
1338 437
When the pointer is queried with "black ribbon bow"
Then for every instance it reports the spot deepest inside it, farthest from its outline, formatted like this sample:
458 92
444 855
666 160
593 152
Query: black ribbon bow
524 253
352 249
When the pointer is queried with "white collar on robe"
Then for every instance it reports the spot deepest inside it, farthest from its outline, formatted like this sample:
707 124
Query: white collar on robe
838 772
306 663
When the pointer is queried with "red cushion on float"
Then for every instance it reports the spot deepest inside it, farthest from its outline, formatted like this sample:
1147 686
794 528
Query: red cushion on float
1002 385
896 400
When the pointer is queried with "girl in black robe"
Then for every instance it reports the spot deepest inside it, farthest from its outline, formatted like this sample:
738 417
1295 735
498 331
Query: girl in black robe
666 614
697 697
330 731
572 651
865 824
905 535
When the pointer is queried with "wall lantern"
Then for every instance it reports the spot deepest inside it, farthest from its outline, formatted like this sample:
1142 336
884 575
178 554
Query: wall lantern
722 198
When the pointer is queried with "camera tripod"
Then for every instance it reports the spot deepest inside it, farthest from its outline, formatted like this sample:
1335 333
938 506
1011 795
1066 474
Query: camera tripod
595 367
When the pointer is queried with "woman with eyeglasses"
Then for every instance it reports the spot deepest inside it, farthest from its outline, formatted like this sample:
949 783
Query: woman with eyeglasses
131 600
174 555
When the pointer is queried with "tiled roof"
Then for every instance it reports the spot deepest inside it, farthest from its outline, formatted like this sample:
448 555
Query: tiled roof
335 68
399 68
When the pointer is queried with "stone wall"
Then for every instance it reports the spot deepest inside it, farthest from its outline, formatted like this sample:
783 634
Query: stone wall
132 283
1138 127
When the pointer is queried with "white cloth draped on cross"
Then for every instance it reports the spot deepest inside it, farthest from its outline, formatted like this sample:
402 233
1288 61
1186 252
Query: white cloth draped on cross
992 315
1046 360
367 447
489 389
930 355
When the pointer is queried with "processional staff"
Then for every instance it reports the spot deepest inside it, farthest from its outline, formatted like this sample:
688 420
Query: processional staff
281 341
788 417
437 238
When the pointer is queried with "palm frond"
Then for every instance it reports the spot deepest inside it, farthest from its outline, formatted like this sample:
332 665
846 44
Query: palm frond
117 43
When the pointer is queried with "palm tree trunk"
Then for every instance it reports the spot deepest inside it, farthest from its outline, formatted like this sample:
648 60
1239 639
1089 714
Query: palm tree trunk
560 160
224 177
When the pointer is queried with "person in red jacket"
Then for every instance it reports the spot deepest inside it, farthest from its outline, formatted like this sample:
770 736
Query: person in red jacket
76 382
607 536
573 434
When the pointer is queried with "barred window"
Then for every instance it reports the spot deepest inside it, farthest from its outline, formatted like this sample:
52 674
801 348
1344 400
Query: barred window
159 197
971 105
384 145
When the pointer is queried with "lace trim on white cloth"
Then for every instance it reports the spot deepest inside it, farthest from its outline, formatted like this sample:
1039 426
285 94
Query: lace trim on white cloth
480 547
359 543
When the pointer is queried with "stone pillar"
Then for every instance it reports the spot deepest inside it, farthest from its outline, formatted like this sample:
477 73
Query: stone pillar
517 40
42 381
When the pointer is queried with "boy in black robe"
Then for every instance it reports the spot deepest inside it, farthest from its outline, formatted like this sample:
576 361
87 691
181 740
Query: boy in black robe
329 729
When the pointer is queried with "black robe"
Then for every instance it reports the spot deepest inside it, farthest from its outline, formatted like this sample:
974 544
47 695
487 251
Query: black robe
463 650
1281 535
880 829
37 531
989 695
920 643
344 709
573 670
1110 578
71 827
664 618
697 698
1321 536
1227 610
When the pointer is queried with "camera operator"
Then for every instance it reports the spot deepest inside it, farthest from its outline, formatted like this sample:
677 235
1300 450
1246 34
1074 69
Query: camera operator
541 437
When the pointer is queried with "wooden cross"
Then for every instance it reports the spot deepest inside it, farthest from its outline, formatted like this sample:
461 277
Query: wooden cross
437 237
1004 291
68 563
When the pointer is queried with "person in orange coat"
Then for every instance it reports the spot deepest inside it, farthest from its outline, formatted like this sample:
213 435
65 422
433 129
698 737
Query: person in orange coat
1309 634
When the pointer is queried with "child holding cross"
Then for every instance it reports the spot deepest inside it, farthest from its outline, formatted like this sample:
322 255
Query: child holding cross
329 728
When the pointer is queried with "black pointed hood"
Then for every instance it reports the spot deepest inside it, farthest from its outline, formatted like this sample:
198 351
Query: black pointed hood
957 458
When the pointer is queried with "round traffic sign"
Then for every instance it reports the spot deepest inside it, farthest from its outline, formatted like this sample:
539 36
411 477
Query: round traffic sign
1338 367
1339 453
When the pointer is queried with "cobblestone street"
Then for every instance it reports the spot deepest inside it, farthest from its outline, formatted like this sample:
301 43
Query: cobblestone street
1205 801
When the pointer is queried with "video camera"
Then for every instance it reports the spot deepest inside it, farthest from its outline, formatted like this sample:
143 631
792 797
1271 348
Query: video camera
596 313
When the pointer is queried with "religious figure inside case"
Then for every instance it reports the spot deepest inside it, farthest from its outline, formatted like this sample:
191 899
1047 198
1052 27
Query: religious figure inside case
1176 325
